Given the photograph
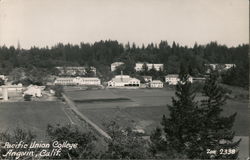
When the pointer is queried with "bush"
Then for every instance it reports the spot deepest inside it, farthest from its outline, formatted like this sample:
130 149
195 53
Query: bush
85 141
198 86
58 90
27 97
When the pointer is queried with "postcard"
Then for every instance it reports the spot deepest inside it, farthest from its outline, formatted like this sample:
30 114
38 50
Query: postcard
124 79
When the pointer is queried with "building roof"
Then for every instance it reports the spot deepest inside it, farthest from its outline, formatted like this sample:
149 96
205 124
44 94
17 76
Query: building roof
149 63
172 75
71 78
70 67
74 67
122 76
35 87
156 81
90 78
117 63
123 79
65 78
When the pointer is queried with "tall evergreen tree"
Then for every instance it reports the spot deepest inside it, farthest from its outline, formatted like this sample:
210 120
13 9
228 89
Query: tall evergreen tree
217 131
182 127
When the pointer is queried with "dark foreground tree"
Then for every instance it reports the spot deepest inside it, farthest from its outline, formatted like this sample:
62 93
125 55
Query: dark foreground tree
217 131
193 130
18 135
181 129
71 134
125 144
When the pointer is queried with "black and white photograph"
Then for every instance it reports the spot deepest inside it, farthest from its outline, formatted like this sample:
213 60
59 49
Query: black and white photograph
124 79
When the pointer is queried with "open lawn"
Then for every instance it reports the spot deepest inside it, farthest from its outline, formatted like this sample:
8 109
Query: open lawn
144 107
91 94
34 116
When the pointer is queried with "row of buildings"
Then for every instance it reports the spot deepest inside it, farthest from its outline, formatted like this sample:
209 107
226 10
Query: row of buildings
33 90
127 81
120 81
219 67
82 70
75 70
77 81
139 66
158 67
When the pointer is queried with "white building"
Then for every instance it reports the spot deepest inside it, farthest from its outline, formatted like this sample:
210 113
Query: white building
173 79
87 81
77 81
115 65
156 84
228 66
123 81
5 89
74 70
35 91
13 88
218 67
158 67
65 81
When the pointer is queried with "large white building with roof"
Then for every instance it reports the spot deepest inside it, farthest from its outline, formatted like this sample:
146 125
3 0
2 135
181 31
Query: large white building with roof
123 81
156 84
77 81
219 67
74 70
173 79
158 67
34 90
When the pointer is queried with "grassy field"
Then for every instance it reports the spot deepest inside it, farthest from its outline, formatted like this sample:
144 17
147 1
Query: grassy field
91 94
144 108
34 116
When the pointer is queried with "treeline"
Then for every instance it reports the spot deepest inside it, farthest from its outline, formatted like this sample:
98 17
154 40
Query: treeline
101 54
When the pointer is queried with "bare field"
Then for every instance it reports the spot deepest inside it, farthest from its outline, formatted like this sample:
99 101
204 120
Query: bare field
144 108
34 116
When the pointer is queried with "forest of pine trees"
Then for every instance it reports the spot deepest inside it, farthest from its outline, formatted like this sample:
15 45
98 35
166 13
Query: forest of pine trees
101 54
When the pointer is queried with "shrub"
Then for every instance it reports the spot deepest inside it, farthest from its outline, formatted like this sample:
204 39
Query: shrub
27 97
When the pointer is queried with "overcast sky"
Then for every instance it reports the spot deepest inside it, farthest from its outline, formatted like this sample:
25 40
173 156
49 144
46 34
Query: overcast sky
47 22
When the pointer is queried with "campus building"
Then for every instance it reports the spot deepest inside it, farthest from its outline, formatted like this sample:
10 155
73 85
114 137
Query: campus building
13 88
139 66
173 79
123 81
156 84
74 71
65 81
228 66
219 67
5 89
115 65
34 91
